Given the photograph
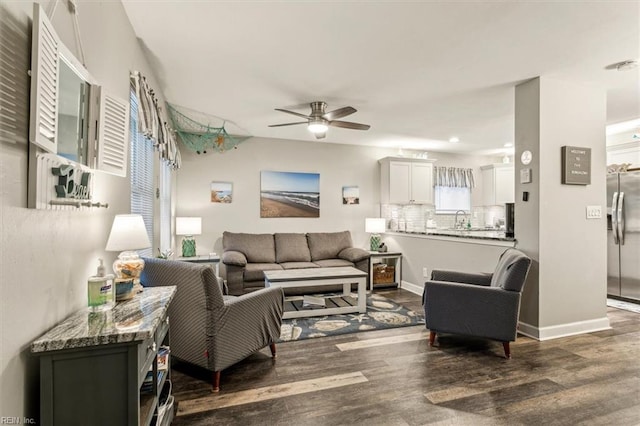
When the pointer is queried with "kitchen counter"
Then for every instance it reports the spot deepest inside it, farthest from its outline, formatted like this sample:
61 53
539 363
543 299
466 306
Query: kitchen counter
477 236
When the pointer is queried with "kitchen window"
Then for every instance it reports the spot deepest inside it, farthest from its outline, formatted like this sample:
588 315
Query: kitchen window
449 199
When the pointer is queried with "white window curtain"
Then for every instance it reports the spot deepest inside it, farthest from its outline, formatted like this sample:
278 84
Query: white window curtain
151 121
141 166
453 177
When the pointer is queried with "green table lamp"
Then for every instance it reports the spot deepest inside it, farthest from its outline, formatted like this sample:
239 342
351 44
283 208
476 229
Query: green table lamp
375 226
188 226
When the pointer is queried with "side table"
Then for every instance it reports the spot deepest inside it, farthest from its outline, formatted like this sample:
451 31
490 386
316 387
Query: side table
204 258
394 257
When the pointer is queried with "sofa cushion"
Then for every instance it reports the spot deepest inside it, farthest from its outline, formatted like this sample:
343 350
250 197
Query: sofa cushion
511 270
354 254
298 265
327 245
292 248
331 263
255 271
258 248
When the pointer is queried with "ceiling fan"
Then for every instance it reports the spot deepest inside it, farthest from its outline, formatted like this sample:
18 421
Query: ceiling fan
319 120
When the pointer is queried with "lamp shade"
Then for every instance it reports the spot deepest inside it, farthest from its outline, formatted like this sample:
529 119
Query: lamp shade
375 225
128 233
188 225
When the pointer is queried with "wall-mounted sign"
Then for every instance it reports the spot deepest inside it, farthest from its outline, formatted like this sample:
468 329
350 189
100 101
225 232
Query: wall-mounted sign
576 165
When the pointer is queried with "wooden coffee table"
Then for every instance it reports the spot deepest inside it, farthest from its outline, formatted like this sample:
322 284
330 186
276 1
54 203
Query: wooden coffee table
312 277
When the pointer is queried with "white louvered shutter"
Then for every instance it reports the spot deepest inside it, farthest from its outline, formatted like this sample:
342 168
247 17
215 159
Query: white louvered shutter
44 82
113 137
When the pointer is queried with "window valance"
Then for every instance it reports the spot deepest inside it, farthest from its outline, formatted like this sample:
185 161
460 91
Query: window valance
453 177
151 123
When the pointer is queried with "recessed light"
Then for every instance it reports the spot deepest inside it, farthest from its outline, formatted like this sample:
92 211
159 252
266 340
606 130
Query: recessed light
454 140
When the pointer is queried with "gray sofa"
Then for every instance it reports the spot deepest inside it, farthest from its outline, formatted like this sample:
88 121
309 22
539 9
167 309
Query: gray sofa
247 256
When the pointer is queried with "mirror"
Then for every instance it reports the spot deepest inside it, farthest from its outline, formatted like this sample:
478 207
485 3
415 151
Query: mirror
73 114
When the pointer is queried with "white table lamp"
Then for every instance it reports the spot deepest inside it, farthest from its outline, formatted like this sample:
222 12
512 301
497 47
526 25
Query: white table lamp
375 226
188 226
128 234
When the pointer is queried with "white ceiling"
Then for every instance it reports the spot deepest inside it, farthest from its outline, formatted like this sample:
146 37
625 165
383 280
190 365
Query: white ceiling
417 72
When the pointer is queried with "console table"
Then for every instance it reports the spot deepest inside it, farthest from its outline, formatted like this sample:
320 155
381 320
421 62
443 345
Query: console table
93 365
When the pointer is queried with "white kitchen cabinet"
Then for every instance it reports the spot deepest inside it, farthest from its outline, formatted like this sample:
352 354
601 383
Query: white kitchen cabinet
498 185
406 181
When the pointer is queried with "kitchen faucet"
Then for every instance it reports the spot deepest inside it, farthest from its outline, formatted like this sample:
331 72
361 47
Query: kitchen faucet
455 220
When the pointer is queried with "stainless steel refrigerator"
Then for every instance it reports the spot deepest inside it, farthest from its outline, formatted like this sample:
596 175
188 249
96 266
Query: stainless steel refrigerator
623 235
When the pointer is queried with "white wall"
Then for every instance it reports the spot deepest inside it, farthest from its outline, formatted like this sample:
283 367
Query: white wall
47 256
338 166
566 291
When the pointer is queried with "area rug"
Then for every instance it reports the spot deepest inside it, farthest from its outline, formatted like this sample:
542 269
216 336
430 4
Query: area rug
381 313
627 306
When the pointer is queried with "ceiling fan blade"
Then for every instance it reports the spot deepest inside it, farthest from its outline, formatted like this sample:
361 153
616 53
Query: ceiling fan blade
320 135
288 124
349 125
339 113
294 113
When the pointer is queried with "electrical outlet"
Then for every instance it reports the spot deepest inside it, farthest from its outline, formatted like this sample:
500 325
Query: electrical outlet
594 212
425 273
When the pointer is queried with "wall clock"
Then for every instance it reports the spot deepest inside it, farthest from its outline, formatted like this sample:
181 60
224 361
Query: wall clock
526 157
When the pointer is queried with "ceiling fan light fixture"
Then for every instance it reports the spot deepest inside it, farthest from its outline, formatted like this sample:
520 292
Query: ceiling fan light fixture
317 126
627 65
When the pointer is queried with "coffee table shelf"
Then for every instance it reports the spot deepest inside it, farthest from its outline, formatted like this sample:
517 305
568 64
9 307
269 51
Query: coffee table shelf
341 304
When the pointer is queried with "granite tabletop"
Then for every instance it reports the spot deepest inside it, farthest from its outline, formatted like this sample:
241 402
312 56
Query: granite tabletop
132 320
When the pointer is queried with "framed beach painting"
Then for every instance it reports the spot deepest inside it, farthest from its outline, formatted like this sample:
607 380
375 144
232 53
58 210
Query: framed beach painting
350 195
221 192
289 194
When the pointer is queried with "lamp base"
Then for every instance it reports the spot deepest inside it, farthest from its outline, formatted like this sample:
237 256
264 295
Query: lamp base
127 267
188 247
374 242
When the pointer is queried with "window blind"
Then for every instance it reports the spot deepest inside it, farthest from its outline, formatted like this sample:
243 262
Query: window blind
141 166
165 206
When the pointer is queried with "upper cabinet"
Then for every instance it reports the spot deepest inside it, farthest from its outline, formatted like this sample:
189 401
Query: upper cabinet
71 115
406 181
497 184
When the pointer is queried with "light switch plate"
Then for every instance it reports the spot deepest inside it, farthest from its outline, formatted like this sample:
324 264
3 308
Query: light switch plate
525 175
594 212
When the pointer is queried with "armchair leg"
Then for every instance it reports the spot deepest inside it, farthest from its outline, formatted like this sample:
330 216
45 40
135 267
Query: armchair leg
273 350
432 337
507 350
216 381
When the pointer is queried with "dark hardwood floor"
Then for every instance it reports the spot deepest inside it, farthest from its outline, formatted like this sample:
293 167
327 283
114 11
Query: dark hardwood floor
393 377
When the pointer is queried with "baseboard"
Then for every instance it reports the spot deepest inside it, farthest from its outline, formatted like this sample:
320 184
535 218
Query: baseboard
563 330
413 288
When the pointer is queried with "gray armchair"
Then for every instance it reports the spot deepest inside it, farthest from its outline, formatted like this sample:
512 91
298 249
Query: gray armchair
484 304
209 329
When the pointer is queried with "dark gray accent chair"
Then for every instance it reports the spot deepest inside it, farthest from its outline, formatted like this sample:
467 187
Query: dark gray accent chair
208 328
477 304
